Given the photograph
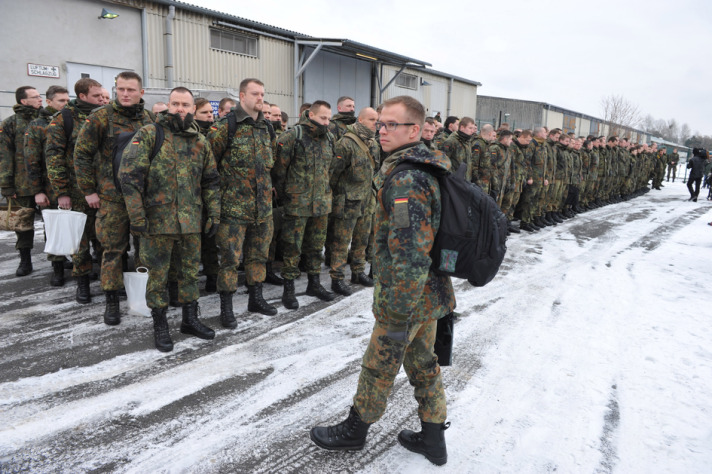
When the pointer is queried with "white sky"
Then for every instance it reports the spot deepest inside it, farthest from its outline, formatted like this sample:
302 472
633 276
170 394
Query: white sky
571 54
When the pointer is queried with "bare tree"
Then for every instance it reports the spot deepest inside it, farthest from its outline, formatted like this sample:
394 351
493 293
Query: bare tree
620 113
685 133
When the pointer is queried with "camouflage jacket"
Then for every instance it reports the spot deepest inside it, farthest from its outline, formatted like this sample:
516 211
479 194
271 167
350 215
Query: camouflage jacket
539 161
458 149
244 165
301 170
352 172
612 160
35 142
339 123
602 163
563 163
440 138
59 152
501 161
551 152
168 193
93 153
14 178
521 166
673 159
576 167
407 219
479 170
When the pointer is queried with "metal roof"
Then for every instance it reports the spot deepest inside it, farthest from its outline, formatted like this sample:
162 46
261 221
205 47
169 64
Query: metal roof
457 78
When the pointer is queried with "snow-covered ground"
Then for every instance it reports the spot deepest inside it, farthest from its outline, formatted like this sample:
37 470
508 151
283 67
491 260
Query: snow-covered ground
590 352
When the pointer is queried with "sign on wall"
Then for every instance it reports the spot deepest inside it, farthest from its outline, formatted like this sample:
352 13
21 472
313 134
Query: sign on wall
41 70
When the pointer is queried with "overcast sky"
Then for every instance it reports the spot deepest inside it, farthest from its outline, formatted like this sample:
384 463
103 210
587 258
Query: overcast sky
656 54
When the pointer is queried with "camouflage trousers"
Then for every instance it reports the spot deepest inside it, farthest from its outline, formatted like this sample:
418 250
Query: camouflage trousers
528 203
208 252
555 191
382 362
81 261
112 230
302 235
509 202
235 237
156 252
543 200
25 239
360 249
671 169
338 240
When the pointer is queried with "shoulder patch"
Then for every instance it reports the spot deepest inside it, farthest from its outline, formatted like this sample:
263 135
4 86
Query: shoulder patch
401 217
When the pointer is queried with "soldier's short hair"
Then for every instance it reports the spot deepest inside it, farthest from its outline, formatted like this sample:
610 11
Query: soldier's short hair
224 101
526 133
430 120
54 90
180 89
317 104
538 130
612 139
342 99
285 117
83 85
505 133
450 120
465 121
554 131
21 93
304 106
129 75
245 82
413 108
200 101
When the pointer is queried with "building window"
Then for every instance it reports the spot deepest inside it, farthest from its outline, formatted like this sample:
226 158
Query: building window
409 81
233 42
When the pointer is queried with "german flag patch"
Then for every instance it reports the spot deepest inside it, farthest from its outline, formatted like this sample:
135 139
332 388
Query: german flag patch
401 217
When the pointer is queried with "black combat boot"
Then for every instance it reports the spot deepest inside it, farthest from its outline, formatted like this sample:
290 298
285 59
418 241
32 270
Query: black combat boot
430 442
526 226
557 217
227 317
161 335
83 293
25 267
512 228
173 294
540 222
272 278
288 299
57 274
347 435
192 325
314 288
362 279
340 287
112 314
211 283
256 303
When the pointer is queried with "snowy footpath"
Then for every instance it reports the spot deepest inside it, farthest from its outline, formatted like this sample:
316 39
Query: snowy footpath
591 351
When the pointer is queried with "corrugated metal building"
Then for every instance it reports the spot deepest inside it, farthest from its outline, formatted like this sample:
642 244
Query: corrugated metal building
529 114
202 49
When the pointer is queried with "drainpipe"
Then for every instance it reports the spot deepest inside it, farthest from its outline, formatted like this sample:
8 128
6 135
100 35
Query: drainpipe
144 46
169 46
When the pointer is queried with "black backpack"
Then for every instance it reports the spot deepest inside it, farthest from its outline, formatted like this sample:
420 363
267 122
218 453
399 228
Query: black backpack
471 240
123 140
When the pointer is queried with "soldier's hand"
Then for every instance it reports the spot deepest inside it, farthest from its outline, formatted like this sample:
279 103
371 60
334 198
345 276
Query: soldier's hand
93 201
41 200
139 229
211 228
64 202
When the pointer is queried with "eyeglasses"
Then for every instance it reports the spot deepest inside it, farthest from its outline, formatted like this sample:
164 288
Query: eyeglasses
390 126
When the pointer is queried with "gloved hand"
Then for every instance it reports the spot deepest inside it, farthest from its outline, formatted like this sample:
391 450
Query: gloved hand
139 229
211 227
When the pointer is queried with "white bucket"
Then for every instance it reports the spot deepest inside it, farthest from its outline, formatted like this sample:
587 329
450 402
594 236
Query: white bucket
64 231
135 284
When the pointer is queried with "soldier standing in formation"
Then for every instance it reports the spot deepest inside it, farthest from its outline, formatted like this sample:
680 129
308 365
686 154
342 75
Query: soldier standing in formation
164 199
673 160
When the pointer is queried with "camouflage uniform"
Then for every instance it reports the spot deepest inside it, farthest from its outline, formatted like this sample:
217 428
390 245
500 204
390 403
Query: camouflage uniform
301 178
351 176
244 164
529 202
93 163
440 138
499 157
14 178
673 160
35 142
408 297
59 153
208 245
339 124
549 193
519 172
457 147
563 176
164 200
479 169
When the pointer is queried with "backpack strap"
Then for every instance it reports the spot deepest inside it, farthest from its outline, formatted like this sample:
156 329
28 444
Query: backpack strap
68 121
160 136
409 165
362 146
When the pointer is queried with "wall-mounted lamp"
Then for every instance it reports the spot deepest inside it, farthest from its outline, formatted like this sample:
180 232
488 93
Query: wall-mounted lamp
423 82
108 15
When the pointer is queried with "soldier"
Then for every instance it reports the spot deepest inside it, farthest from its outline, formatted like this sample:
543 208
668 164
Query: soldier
34 150
244 162
458 145
204 115
500 158
301 179
450 126
345 115
105 96
549 217
429 129
479 171
225 105
673 160
62 134
14 179
521 175
563 177
276 121
357 158
159 107
94 166
531 208
408 297
164 199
